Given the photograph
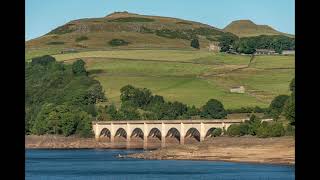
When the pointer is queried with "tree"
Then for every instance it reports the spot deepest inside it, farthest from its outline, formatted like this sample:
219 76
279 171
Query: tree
68 123
195 43
112 111
276 106
41 125
193 111
226 41
253 125
213 109
78 67
289 108
91 109
138 97
128 111
84 125
96 94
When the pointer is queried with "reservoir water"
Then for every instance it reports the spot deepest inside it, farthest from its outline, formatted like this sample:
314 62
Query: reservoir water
103 164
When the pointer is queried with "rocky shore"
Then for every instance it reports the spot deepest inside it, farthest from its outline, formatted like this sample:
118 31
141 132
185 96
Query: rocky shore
279 150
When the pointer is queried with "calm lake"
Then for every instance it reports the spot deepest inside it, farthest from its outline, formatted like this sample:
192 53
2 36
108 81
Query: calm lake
103 164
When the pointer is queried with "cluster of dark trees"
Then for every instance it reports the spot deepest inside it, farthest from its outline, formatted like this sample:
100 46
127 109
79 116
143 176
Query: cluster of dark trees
284 105
59 98
248 45
140 103
255 127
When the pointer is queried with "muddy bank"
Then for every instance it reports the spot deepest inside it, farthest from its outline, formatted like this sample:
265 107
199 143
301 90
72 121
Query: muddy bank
235 149
57 142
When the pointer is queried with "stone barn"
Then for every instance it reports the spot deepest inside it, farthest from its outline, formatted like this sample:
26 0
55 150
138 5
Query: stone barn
237 89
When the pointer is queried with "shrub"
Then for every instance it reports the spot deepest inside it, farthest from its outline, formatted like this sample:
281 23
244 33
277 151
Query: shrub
78 67
81 38
43 60
55 43
195 43
238 129
244 129
233 130
216 132
290 130
274 129
118 42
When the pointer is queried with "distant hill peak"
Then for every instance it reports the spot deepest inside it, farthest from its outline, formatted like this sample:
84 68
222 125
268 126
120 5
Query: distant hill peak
245 28
120 14
243 21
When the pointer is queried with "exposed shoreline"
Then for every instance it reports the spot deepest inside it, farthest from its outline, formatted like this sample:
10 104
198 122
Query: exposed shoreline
60 142
279 150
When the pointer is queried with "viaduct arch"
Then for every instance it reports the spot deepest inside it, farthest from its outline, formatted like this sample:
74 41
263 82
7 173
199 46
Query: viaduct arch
161 130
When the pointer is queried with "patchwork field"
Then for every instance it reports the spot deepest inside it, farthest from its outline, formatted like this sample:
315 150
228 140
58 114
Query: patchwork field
190 76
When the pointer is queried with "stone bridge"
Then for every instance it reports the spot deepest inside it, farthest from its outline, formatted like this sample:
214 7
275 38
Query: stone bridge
161 130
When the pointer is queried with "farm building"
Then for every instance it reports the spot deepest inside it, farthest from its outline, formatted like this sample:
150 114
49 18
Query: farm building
288 52
214 47
265 52
237 89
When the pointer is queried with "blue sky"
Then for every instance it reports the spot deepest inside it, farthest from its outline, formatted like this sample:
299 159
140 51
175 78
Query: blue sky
45 15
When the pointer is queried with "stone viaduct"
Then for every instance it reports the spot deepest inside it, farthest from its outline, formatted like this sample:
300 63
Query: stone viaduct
159 129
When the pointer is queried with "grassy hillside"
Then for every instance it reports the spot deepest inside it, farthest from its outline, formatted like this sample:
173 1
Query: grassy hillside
188 76
139 31
246 28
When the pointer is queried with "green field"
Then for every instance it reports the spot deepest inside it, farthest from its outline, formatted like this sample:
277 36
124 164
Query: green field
190 76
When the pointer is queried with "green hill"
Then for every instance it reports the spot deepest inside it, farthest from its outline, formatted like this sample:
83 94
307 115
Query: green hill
139 31
245 28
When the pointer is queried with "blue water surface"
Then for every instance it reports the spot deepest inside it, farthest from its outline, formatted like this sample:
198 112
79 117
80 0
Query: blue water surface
102 164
